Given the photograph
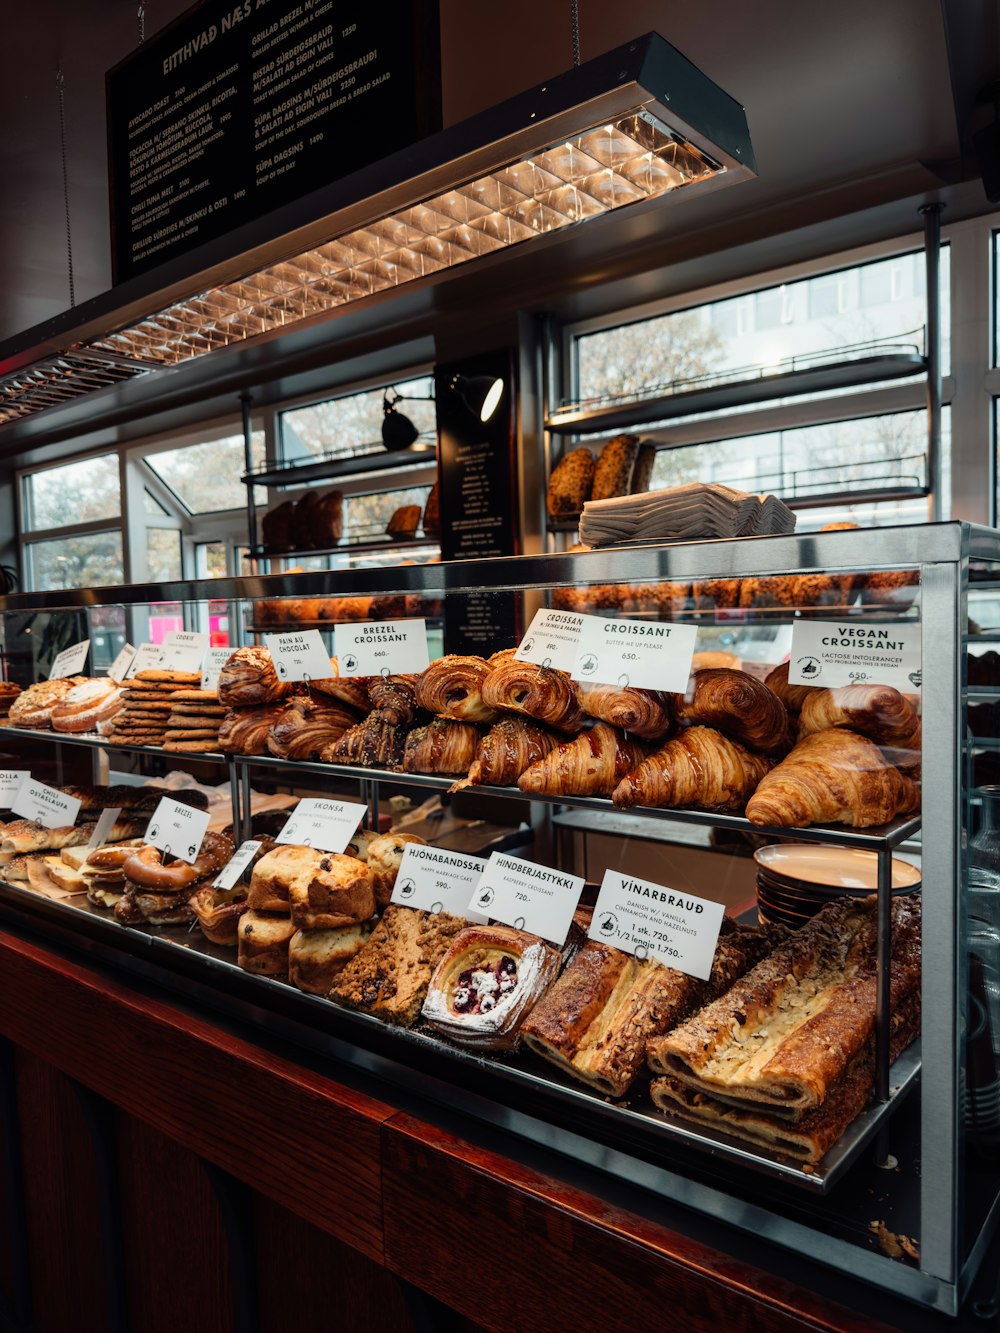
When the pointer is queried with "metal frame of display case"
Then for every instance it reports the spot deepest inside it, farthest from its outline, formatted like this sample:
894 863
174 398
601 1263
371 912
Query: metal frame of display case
943 554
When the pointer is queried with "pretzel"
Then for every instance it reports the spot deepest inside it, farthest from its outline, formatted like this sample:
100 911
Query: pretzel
114 856
145 866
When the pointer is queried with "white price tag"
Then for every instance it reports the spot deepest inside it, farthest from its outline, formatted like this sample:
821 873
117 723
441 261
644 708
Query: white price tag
147 657
45 805
177 829
433 879
103 827
121 666
211 665
234 868
645 654
328 825
551 640
528 896
828 653
70 661
390 648
300 656
183 650
652 921
10 784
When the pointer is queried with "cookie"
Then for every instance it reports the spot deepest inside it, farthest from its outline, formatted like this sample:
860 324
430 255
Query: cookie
146 706
196 696
192 747
192 734
169 677
200 710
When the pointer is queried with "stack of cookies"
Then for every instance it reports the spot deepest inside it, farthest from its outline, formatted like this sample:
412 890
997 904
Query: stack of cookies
194 722
148 703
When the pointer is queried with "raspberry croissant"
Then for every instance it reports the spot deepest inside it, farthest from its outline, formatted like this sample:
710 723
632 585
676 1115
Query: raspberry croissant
833 776
591 765
541 692
452 687
701 768
738 705
645 713
507 749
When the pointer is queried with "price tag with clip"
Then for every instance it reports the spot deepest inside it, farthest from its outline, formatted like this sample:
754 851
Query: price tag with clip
120 668
211 666
434 879
177 829
388 648
45 805
230 873
527 896
327 825
147 657
645 654
551 640
70 661
299 656
183 650
10 784
653 921
828 653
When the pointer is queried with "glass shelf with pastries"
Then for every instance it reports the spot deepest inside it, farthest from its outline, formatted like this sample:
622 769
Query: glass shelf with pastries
775 761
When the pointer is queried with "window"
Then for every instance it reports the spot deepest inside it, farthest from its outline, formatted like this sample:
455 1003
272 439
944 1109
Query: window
76 493
71 520
163 555
351 425
205 477
84 561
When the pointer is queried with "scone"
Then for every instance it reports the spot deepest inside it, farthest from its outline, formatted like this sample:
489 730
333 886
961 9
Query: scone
315 957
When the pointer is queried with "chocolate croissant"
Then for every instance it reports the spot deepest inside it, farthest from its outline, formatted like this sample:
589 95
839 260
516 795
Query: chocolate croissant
645 713
507 749
792 696
249 679
371 744
879 712
443 746
700 768
394 698
738 705
832 776
452 687
306 727
591 765
543 693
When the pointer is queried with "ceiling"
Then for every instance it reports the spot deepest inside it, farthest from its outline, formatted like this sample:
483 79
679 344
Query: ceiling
858 112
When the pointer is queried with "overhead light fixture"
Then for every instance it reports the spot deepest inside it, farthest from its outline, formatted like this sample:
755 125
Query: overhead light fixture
398 431
481 394
636 125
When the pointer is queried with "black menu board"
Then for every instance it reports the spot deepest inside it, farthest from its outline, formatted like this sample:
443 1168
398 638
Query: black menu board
244 105
478 481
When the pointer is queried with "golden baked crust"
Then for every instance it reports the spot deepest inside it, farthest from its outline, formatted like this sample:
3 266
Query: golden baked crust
788 1030
263 943
647 714
570 483
442 746
613 473
452 687
700 768
792 696
33 706
540 692
315 957
306 726
249 679
591 765
507 749
384 855
335 892
738 705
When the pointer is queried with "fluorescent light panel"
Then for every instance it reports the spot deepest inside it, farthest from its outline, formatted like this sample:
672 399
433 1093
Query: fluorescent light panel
608 167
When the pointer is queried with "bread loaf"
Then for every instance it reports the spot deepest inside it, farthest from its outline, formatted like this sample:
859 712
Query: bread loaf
613 473
570 483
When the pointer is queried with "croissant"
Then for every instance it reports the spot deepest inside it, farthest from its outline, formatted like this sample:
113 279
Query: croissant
645 713
452 687
740 706
877 711
352 690
591 765
394 699
249 679
792 696
507 749
245 730
306 727
700 767
832 776
443 746
542 692
372 743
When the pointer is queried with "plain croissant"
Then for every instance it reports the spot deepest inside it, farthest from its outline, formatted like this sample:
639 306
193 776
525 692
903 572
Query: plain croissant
832 776
540 692
700 767
591 765
877 711
645 713
738 705
507 749
452 687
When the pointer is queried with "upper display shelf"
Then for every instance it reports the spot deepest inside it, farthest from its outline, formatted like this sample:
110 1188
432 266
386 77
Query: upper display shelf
815 372
327 467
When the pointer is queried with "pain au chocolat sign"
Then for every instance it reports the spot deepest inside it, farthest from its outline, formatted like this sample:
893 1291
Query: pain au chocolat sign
240 107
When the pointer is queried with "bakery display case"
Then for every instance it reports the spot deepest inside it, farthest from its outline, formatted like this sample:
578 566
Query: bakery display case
842 1044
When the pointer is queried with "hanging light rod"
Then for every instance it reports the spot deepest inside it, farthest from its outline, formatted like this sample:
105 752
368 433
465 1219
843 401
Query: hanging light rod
635 126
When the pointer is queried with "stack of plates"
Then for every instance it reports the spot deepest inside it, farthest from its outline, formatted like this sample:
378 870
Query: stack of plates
794 880
683 513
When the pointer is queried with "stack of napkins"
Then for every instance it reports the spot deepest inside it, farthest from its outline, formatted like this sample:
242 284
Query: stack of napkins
684 513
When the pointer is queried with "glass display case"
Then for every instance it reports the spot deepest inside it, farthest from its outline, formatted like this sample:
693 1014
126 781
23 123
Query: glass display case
877 744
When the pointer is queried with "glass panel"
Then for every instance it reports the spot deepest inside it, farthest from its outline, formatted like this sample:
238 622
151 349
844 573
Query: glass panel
152 505
77 493
352 425
759 331
86 561
366 517
210 560
206 477
163 554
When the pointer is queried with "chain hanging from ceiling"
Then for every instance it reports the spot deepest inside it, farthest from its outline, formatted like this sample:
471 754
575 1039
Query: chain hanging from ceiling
574 24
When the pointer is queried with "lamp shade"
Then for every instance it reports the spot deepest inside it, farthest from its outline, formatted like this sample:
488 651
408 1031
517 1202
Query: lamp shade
481 394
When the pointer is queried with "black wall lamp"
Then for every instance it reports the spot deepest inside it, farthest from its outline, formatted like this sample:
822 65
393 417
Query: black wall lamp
481 394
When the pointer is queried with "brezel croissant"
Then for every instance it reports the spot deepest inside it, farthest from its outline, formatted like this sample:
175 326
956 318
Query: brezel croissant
832 776
740 706
700 767
541 692
507 749
877 711
452 687
591 765
443 746
394 699
645 713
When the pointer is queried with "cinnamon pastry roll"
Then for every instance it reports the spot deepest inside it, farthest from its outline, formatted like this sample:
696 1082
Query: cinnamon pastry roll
452 687
507 749
739 706
700 768
645 713
591 765
543 693
442 746
249 679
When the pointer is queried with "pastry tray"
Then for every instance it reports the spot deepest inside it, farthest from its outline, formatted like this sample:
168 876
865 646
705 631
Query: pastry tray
510 1082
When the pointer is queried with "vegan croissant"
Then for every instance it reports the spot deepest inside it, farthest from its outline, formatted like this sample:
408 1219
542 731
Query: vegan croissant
877 711
591 765
832 776
738 705
700 767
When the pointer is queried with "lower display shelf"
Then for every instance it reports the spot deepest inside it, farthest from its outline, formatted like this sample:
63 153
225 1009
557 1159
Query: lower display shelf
515 1080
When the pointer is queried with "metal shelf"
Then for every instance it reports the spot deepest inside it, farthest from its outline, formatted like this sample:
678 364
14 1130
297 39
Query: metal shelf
363 547
95 742
329 469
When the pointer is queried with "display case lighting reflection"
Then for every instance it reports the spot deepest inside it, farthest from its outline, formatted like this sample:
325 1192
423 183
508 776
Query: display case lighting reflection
607 167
